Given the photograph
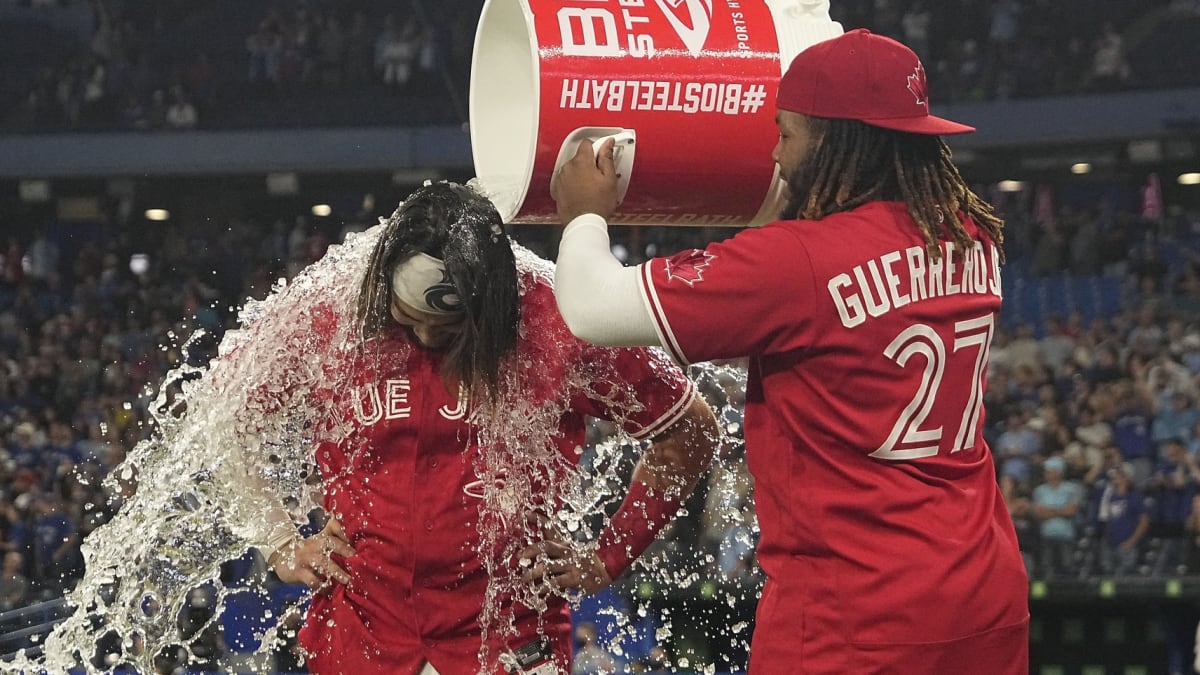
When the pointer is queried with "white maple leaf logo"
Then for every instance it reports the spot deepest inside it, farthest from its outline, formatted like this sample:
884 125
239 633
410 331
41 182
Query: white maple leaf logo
918 86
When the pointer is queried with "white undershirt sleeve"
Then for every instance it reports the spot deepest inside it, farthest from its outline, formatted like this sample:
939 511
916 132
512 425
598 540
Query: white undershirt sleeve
598 297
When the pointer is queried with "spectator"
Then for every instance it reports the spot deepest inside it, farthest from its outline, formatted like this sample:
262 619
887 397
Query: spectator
396 50
590 658
181 114
1056 502
56 556
1018 448
1110 67
132 115
1024 350
655 661
28 445
1174 420
1050 254
1146 336
1021 509
1176 481
1056 347
156 112
1094 436
1085 254
14 587
1131 427
265 48
1124 512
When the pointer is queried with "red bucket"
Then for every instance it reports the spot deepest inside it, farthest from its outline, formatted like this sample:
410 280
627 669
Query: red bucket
691 83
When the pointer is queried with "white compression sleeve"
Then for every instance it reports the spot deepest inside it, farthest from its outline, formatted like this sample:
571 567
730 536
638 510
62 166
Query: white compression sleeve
597 295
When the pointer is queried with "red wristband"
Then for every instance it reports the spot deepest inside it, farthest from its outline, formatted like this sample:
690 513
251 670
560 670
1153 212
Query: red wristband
631 530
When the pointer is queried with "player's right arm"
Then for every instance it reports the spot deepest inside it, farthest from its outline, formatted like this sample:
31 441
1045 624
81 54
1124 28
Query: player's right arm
664 476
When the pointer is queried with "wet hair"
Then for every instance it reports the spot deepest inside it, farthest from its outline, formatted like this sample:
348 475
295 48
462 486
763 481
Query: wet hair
462 228
853 163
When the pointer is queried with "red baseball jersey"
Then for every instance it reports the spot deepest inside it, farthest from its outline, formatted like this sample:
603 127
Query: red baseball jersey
884 535
404 485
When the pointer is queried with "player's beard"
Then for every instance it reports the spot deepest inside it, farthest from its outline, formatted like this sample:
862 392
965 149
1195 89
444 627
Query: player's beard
795 182
794 205
791 209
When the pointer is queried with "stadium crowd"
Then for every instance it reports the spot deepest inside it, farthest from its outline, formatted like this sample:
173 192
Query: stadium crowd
146 65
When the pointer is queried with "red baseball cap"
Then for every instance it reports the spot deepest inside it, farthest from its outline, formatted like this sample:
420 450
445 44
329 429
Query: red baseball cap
865 77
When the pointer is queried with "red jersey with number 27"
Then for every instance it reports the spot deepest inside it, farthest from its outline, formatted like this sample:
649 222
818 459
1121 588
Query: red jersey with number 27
886 543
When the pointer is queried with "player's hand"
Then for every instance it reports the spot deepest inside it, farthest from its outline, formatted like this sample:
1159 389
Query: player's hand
586 183
309 560
558 567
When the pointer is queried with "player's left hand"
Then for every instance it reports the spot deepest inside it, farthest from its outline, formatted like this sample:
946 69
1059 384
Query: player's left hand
559 567
586 183
309 560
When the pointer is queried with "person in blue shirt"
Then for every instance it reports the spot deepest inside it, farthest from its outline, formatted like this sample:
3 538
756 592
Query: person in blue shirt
1174 417
1124 511
1018 448
1176 480
1056 504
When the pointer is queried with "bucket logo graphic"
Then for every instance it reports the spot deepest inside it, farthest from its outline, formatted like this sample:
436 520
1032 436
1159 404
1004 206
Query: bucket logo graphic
693 31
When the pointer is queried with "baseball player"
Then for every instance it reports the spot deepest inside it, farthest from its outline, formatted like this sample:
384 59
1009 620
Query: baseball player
867 312
454 323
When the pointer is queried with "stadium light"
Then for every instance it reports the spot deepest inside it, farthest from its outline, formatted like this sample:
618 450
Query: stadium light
1190 178
157 214
139 263
34 191
1011 185
282 184
1080 168
321 210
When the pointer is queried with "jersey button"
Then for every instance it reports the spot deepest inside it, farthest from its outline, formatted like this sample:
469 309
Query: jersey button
429 525
433 462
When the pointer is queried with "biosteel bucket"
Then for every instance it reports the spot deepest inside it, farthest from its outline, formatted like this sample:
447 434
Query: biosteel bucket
686 86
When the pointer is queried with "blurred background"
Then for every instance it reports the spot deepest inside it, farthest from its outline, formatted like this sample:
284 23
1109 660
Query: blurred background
161 161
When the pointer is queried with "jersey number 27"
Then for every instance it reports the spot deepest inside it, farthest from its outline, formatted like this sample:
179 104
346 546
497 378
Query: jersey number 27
907 439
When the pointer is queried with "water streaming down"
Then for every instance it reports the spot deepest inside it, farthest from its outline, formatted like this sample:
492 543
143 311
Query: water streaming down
230 441
690 595
235 439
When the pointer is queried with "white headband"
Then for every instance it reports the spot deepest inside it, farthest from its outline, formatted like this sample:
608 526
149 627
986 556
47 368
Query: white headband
422 283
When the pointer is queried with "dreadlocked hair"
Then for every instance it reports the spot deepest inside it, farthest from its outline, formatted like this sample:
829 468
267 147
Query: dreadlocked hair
854 163
462 228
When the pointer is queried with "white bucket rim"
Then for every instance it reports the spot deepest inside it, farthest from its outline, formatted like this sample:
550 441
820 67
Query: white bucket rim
507 211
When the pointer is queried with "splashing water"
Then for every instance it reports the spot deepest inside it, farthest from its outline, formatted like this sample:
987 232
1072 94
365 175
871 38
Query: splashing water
235 439
504 191
218 431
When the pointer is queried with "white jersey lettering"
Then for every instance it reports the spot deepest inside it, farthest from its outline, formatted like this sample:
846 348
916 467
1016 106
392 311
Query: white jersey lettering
881 284
460 407
396 402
